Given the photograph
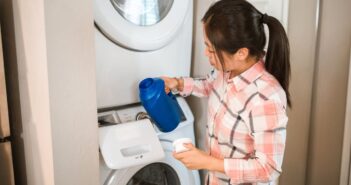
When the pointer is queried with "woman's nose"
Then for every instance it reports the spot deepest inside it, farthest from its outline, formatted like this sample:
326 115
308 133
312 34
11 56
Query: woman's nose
207 53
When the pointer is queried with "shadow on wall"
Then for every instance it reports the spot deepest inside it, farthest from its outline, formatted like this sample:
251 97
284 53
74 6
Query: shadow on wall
12 84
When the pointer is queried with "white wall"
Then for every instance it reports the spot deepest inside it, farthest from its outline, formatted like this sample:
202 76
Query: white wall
302 33
52 100
329 93
345 174
72 87
34 88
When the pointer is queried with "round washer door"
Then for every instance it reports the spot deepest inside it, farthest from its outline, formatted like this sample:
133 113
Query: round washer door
166 172
141 25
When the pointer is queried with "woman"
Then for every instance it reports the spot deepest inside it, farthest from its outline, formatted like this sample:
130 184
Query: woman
248 97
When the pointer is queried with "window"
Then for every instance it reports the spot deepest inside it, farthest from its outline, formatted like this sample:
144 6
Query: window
155 174
143 12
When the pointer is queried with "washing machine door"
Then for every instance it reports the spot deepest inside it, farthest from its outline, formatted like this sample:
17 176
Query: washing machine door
166 172
141 25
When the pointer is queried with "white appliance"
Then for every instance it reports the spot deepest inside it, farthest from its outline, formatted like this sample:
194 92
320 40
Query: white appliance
160 172
120 150
136 39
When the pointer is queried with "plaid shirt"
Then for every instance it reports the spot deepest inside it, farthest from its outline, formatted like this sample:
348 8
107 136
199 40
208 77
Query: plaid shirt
246 124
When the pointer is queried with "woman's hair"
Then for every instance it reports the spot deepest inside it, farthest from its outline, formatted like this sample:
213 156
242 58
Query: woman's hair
234 24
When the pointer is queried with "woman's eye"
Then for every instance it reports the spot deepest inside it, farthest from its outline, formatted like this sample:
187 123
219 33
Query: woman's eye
210 51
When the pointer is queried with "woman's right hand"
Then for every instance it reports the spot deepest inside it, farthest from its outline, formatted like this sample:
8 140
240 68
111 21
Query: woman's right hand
170 83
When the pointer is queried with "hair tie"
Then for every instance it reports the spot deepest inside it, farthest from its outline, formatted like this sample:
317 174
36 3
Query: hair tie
264 18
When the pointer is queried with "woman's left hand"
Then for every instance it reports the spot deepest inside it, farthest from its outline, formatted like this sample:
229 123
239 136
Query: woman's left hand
194 158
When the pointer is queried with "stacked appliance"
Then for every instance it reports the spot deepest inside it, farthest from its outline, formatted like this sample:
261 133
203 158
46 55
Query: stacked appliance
137 39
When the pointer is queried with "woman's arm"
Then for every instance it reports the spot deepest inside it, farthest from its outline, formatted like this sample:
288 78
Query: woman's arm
200 87
197 159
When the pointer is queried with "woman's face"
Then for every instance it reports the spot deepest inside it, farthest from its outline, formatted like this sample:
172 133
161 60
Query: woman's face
236 62
211 54
229 60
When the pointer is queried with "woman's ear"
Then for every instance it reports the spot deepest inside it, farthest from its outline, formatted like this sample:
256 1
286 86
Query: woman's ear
243 53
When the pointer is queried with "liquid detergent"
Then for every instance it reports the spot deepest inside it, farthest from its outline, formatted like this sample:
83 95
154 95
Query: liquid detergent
162 108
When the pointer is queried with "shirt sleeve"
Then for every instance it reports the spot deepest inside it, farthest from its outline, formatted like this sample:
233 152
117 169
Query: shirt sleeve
268 125
200 87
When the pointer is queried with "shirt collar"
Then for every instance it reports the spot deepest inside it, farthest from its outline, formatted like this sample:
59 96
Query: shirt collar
248 76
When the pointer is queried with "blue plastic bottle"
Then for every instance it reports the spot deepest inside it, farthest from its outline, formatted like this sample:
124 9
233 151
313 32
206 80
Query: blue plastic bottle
162 108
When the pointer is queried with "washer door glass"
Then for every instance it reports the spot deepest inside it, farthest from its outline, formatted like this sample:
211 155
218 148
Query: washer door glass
143 12
155 174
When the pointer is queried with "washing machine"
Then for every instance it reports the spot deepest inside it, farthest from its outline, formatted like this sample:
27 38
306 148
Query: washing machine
166 171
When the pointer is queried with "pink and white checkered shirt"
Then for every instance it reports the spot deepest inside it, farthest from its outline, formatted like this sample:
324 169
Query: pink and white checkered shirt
246 124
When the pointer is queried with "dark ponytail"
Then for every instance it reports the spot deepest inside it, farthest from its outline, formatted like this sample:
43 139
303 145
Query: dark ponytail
234 24
278 53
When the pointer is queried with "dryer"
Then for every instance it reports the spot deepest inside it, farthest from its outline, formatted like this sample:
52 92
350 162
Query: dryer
136 39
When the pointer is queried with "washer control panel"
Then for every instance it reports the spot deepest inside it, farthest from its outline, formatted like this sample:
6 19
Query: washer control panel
127 114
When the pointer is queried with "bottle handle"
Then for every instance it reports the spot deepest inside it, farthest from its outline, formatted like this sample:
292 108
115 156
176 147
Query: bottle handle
171 95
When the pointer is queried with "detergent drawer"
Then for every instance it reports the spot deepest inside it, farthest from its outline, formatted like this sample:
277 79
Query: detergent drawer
129 144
